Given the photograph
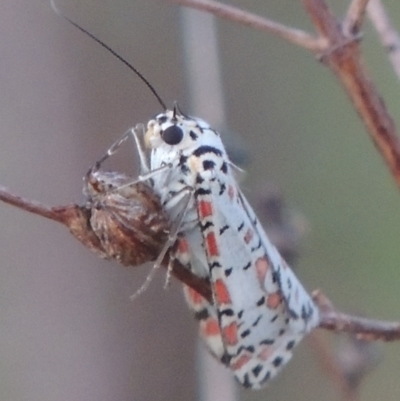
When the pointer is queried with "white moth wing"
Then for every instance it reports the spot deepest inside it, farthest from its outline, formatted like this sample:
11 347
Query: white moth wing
304 314
252 295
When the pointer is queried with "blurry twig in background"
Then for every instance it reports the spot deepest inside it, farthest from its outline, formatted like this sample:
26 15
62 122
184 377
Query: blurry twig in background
295 36
389 37
354 17
203 80
340 51
283 227
347 363
351 359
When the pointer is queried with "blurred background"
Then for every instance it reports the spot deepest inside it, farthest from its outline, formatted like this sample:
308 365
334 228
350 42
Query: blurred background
68 329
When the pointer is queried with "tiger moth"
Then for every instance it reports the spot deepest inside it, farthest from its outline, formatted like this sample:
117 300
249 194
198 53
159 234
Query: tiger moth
260 310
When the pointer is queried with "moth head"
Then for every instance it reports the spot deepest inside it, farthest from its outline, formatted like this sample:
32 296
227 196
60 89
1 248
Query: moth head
170 128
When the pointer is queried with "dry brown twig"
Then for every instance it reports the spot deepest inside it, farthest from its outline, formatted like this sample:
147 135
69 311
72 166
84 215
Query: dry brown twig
354 17
77 219
339 49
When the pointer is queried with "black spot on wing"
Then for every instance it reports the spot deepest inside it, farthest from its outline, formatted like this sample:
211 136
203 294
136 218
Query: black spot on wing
246 381
306 313
259 245
182 164
257 370
199 179
261 301
245 334
240 228
255 323
202 315
268 341
277 361
193 135
226 312
222 188
228 272
202 150
213 265
208 224
247 266
223 229
290 345
225 359
208 164
202 191
224 168
275 277
266 377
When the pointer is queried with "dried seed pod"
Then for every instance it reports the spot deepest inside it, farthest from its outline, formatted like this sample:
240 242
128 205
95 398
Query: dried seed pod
127 219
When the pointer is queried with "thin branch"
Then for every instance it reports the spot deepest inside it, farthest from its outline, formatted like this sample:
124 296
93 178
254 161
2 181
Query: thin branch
355 17
342 54
364 329
346 62
29 206
292 35
389 37
77 219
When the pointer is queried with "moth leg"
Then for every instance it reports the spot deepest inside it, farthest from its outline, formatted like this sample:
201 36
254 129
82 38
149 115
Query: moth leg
111 150
136 133
183 198
138 136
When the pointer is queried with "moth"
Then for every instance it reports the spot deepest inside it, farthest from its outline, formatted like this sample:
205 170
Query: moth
259 311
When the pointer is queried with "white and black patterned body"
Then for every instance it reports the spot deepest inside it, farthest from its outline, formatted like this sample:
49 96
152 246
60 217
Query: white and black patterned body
260 310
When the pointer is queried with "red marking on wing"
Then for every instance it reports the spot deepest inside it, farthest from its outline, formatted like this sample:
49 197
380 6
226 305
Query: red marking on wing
229 334
240 362
194 296
205 209
231 192
221 292
212 246
183 246
266 353
274 300
262 267
248 236
210 328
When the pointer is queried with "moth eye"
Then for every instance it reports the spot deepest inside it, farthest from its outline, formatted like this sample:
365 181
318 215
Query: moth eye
172 135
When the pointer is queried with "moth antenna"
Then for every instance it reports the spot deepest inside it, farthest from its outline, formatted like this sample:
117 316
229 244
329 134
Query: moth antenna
113 52
177 110
174 111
